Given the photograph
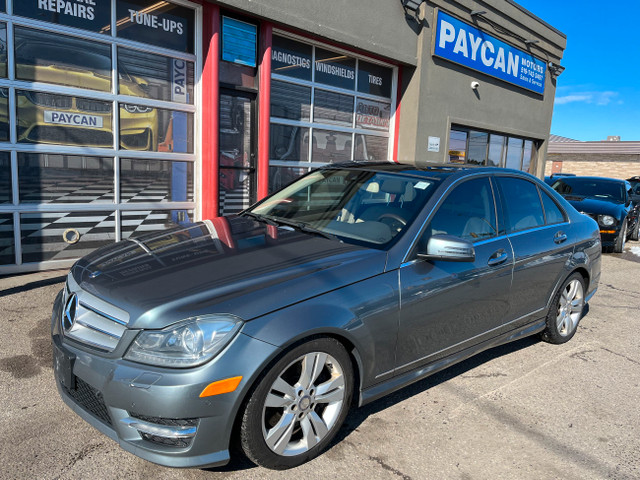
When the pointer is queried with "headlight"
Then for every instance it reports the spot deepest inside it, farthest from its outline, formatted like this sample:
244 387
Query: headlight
606 220
188 343
136 108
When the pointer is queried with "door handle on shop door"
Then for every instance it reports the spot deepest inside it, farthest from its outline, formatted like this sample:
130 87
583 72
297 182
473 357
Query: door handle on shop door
497 258
559 237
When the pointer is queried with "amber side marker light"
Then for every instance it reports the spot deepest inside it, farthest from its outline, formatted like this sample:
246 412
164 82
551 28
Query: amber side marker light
221 386
607 231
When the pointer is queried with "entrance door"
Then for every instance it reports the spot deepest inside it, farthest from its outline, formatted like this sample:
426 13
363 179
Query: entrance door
237 171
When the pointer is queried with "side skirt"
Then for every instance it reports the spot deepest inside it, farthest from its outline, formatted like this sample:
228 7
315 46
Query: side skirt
396 383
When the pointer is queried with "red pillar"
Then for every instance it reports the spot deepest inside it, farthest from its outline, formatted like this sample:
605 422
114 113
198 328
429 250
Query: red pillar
264 108
396 128
210 109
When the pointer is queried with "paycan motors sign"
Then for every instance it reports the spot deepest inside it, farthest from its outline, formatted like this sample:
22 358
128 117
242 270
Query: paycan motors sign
465 45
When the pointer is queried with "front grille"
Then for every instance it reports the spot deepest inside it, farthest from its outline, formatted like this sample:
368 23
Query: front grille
49 100
171 422
90 400
71 135
137 141
96 323
89 105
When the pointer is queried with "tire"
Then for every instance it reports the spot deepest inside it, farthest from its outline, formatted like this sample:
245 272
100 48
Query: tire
565 311
622 238
635 233
298 406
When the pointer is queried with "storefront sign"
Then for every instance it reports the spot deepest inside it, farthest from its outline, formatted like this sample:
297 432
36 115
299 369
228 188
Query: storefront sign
75 119
158 23
466 45
94 15
374 79
291 58
179 81
335 69
373 115
239 42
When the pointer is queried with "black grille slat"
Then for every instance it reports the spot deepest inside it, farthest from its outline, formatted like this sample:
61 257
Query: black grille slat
170 422
90 400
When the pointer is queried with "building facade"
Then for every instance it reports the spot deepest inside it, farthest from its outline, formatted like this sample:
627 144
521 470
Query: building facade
120 117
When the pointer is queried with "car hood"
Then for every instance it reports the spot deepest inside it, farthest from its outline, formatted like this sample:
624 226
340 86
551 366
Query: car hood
594 206
228 265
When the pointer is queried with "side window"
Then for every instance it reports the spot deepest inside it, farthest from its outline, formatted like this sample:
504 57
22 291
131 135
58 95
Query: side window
552 212
468 212
521 204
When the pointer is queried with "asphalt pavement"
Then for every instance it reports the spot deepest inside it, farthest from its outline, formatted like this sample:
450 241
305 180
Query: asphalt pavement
528 410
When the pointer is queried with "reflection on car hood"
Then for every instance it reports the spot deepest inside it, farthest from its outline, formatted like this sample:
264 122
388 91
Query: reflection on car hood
227 265
594 205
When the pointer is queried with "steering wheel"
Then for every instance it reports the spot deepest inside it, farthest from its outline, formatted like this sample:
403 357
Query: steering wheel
396 223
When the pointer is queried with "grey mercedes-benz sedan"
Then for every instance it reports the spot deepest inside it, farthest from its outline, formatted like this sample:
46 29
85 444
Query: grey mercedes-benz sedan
344 286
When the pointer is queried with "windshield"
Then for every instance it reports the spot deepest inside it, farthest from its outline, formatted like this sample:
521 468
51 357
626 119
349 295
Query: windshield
358 206
591 187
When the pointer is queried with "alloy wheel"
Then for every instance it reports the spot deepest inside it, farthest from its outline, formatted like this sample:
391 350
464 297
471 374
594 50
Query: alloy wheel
570 307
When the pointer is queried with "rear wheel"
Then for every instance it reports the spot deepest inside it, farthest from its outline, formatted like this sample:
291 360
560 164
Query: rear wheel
622 238
635 232
566 311
299 405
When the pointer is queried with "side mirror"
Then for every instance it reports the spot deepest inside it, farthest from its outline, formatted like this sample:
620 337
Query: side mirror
449 248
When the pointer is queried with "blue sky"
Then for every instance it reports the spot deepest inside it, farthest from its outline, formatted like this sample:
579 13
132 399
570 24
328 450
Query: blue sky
599 92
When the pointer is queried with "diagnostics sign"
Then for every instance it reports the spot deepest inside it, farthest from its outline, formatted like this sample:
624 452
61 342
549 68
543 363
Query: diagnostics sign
464 44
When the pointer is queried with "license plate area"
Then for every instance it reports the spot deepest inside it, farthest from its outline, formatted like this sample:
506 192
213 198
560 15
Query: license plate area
63 366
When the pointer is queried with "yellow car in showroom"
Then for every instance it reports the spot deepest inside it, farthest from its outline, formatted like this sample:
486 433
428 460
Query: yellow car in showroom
67 120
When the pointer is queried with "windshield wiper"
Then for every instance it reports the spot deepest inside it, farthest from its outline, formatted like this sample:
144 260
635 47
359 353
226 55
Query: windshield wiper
303 227
261 218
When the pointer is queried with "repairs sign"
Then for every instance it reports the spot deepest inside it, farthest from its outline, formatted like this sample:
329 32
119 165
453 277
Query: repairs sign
464 44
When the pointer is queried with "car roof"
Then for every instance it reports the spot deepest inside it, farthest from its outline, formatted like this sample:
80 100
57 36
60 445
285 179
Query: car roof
433 171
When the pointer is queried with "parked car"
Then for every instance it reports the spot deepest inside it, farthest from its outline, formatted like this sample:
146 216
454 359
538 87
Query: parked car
635 189
350 283
549 179
606 200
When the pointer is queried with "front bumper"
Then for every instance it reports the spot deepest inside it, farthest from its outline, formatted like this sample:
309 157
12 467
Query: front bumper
157 413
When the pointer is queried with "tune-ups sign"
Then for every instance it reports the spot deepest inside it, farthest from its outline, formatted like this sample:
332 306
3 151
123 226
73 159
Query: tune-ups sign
461 43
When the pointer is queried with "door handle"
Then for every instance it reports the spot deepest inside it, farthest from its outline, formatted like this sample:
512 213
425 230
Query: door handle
497 258
560 237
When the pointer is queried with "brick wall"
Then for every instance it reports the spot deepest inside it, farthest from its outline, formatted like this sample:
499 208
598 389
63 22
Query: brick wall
614 166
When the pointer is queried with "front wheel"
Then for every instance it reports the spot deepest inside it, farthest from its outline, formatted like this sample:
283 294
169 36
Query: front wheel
622 238
299 405
565 311
635 232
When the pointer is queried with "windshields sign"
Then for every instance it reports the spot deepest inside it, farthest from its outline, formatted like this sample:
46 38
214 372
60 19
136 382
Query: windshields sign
464 44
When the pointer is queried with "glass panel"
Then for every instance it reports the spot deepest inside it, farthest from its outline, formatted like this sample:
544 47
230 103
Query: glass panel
552 212
3 50
290 101
374 79
496 142
6 195
335 69
62 60
330 146
237 75
236 154
372 148
155 181
335 108
477 147
136 223
280 177
157 23
373 115
527 155
291 58
155 129
468 212
289 143
3 5
147 75
457 146
94 15
521 203
7 249
63 236
4 114
48 178
63 120
239 42
514 153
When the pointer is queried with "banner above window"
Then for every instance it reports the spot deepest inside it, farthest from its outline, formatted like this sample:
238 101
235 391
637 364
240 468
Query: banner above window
94 15
291 58
464 44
